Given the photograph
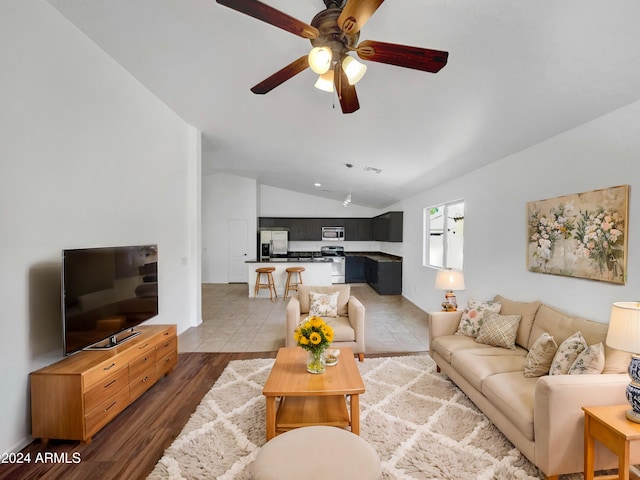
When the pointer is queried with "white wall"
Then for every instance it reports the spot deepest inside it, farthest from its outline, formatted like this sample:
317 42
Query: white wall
88 157
602 153
225 197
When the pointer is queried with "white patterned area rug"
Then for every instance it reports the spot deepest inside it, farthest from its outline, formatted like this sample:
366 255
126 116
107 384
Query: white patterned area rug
420 423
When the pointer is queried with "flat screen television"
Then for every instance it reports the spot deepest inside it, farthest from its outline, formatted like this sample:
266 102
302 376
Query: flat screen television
106 292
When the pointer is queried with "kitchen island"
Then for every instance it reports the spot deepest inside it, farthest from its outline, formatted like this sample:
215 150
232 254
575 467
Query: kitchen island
317 271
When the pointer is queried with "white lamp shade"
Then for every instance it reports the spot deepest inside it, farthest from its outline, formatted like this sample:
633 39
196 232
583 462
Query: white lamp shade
353 69
320 59
624 327
325 82
449 280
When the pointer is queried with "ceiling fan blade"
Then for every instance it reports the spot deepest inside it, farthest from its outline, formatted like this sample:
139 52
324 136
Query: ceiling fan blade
403 55
356 13
346 93
270 15
281 76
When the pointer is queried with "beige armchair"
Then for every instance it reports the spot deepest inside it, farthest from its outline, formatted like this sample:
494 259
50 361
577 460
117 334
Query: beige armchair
348 326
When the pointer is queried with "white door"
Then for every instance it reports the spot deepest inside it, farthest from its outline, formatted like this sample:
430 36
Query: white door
238 253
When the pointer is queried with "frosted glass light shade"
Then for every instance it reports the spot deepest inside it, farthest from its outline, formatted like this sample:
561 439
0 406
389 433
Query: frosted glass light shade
325 82
353 69
320 59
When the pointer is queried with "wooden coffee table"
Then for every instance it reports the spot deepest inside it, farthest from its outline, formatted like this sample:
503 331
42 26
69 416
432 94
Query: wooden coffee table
309 399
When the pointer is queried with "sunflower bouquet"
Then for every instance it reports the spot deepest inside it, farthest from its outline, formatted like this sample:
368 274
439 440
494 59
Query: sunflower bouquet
314 335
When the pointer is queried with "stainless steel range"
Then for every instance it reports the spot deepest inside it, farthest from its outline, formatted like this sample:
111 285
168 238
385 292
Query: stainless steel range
336 255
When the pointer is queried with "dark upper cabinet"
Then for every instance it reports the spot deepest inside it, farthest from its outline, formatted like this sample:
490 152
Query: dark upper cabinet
388 227
384 228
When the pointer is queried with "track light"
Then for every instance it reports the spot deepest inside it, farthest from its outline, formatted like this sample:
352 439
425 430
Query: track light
325 81
353 69
347 200
320 59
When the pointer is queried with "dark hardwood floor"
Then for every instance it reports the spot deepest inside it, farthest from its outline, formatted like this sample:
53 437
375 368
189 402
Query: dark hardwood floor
130 446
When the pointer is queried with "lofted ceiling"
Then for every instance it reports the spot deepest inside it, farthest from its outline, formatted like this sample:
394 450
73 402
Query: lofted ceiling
518 73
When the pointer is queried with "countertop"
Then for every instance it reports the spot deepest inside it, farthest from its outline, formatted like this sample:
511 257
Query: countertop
314 257
292 260
377 256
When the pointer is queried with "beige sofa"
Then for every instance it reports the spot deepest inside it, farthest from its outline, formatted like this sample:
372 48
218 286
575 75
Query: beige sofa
348 326
541 416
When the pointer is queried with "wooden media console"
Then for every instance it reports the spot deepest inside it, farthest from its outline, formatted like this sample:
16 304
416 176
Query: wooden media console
74 398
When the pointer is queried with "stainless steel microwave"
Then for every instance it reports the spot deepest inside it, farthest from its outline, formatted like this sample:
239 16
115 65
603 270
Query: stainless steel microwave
332 233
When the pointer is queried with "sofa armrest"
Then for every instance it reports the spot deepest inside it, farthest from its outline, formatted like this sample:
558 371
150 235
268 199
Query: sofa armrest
442 323
559 418
356 312
292 319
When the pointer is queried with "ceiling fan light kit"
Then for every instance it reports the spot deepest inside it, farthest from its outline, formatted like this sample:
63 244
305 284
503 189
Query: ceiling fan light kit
354 69
325 82
320 59
334 33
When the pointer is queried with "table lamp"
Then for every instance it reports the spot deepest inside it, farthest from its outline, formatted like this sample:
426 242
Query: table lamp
449 280
624 334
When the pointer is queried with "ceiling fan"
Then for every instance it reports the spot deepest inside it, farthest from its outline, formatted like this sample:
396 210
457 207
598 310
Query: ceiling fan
334 33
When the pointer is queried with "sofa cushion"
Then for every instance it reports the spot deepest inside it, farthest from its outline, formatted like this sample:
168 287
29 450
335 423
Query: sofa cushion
342 329
445 345
343 297
590 361
567 353
323 304
513 394
499 330
476 364
473 317
540 356
526 310
561 326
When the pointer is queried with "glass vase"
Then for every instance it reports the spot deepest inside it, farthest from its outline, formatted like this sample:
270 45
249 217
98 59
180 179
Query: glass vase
315 361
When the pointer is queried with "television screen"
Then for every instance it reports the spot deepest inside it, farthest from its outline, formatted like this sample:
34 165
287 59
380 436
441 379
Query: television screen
105 292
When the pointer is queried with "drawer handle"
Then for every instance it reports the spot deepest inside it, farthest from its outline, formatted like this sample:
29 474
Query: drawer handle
143 346
166 333
145 379
166 344
168 359
109 367
144 359
109 407
110 383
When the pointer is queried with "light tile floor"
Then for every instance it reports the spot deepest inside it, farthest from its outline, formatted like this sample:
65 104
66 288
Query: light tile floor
233 322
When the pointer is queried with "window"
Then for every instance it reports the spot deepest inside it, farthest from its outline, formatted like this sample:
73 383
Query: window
443 235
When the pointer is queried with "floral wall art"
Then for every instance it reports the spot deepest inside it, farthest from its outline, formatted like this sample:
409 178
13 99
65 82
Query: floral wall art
582 235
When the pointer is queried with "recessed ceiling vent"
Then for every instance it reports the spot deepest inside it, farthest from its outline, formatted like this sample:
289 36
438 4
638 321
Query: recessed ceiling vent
372 169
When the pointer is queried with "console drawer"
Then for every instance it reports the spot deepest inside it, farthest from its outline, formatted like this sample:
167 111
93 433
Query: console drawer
142 374
95 420
108 389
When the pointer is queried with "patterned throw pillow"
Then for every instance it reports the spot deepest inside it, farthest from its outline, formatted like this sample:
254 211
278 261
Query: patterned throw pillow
499 330
473 317
324 304
591 360
540 356
567 353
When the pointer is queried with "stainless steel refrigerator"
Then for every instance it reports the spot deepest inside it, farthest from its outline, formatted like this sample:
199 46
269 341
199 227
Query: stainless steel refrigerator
273 243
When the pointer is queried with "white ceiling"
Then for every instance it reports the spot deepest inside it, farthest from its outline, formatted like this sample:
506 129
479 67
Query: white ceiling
518 72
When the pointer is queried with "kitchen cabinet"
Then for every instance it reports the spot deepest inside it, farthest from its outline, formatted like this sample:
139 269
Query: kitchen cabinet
384 276
354 269
310 229
388 227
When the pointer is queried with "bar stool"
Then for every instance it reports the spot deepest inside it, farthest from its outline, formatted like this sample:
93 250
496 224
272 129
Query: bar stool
268 271
292 283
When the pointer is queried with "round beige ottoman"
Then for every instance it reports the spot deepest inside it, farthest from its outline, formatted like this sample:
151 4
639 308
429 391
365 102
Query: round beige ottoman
317 453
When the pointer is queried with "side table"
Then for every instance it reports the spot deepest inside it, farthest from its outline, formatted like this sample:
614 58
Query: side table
609 425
